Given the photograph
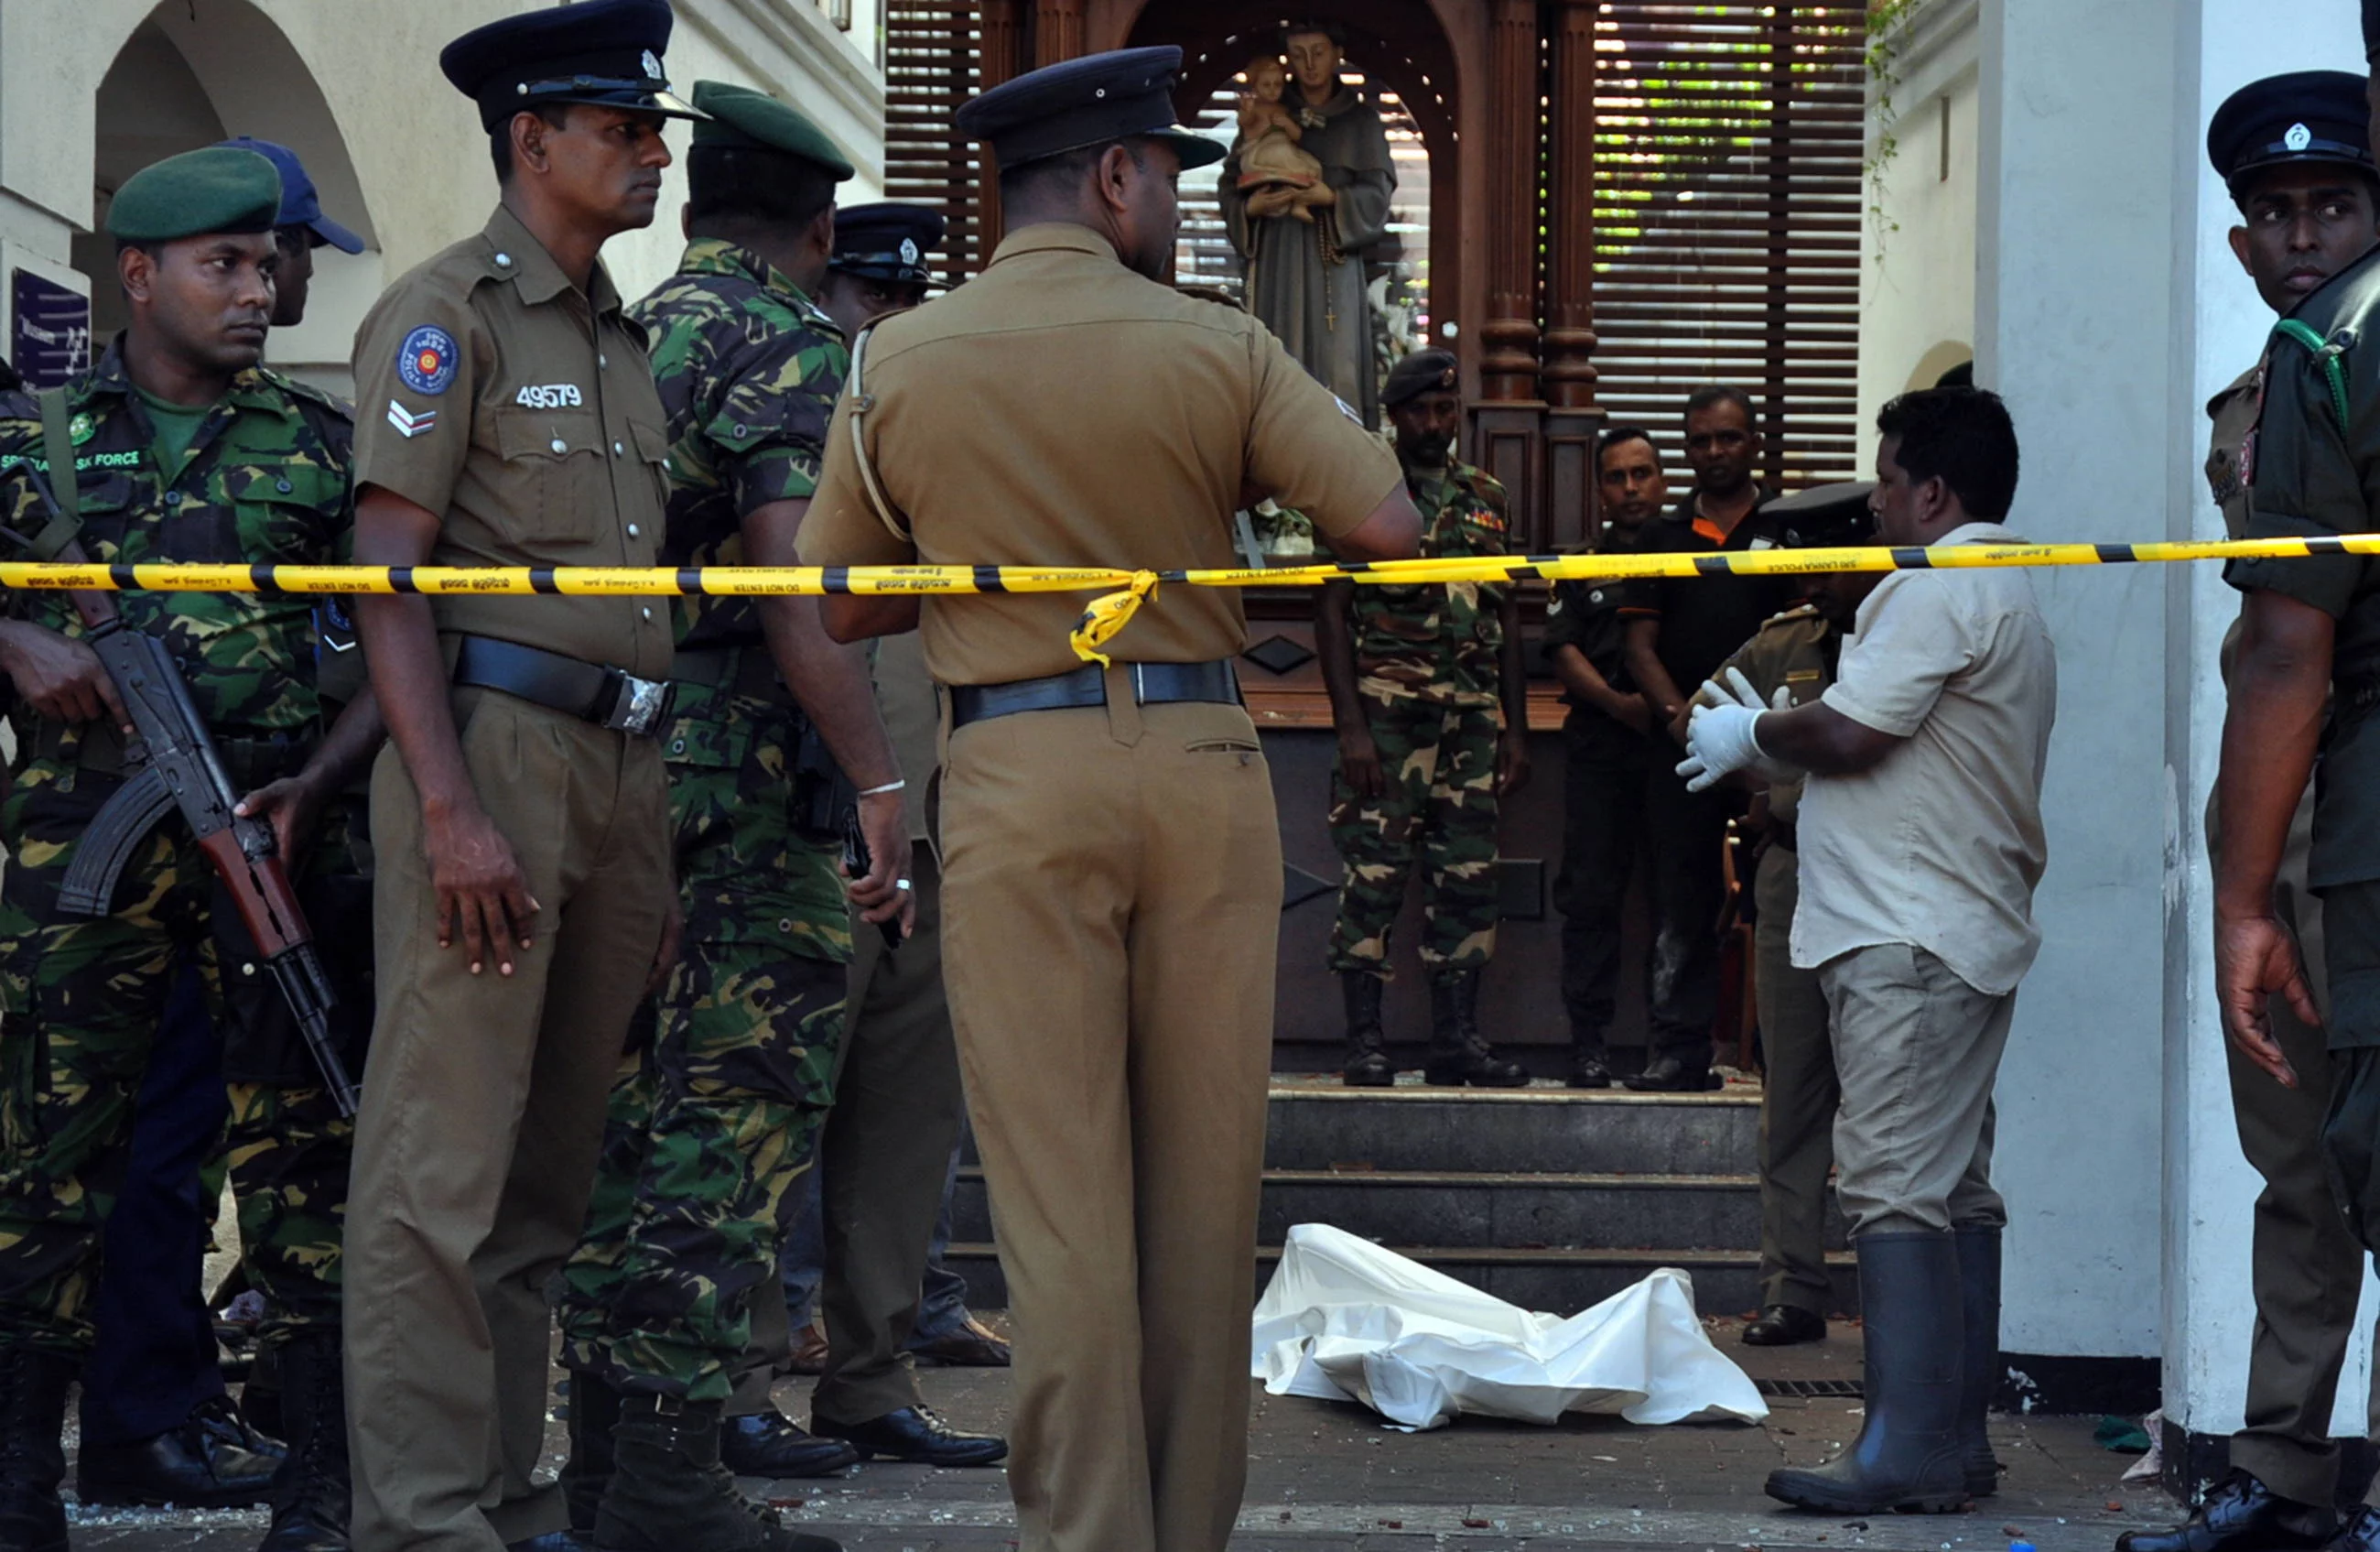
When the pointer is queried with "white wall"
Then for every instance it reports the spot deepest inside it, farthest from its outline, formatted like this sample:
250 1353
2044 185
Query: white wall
1917 274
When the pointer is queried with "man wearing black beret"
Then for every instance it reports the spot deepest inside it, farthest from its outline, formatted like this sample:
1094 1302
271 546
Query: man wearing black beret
2295 153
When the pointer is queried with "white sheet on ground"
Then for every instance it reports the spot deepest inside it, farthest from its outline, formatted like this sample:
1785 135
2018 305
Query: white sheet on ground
1345 1320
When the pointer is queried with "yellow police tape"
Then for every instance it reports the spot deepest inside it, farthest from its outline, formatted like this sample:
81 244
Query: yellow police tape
1124 589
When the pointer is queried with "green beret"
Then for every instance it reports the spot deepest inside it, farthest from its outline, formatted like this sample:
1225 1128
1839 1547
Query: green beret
221 189
740 115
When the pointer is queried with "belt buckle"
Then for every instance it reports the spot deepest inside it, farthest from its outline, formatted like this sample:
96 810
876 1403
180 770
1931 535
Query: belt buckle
638 706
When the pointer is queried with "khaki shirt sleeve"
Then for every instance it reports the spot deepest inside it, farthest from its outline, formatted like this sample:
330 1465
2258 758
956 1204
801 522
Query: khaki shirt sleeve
413 429
1305 448
2309 484
844 527
1912 639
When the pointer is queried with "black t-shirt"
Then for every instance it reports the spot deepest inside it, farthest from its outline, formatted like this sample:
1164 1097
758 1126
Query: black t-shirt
1584 613
1704 620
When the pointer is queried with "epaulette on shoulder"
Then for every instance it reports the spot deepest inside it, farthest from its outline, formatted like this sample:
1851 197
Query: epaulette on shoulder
1789 616
1214 294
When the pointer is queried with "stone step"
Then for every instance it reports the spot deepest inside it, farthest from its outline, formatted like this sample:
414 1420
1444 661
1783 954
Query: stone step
1318 1125
1491 1210
1558 1282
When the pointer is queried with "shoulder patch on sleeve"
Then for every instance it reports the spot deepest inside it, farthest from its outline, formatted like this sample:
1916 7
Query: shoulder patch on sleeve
426 361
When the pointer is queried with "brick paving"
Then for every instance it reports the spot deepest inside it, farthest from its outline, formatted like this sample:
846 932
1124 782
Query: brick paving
1330 1478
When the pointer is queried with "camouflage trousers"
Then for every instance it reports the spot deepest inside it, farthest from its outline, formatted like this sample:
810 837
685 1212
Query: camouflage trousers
80 1001
718 1113
1439 809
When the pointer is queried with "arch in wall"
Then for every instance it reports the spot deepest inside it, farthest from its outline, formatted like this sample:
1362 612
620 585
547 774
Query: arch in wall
1398 43
188 76
1937 360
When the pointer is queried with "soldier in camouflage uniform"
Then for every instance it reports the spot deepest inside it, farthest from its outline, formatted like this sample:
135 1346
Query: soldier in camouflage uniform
183 449
1430 700
719 1113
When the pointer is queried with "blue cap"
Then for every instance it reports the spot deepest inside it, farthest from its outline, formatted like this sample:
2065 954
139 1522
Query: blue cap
300 206
2306 115
1126 93
887 240
604 51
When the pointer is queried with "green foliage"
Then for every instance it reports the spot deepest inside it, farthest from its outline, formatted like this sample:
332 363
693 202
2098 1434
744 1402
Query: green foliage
1886 36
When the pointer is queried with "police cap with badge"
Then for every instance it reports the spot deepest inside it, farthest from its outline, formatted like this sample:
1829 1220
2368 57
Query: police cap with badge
888 241
1123 95
1824 516
1420 373
606 52
2307 115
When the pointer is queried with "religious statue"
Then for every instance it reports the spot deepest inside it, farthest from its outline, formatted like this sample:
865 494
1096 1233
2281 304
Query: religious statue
1304 243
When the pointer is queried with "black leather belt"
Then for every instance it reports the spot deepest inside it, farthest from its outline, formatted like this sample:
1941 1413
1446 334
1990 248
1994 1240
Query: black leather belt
605 696
1153 684
749 671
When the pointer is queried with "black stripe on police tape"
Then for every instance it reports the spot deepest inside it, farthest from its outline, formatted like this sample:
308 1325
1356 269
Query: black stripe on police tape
989 580
540 580
689 579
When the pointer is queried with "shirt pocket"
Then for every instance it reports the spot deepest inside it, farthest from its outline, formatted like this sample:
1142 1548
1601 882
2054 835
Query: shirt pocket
554 462
285 512
649 442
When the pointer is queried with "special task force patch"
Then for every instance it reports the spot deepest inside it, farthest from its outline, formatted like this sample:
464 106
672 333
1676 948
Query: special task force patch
427 358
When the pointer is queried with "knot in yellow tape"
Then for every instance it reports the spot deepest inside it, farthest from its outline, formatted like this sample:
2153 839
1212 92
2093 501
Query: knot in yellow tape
1110 613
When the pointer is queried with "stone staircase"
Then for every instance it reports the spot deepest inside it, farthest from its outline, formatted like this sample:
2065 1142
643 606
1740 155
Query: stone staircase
1549 1199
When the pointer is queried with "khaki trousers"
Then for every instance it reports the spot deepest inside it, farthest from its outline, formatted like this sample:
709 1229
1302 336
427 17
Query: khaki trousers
1112 892
2305 1265
1917 1051
483 1111
1798 1097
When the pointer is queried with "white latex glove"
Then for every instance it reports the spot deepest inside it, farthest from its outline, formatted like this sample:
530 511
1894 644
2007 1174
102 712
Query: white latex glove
1719 737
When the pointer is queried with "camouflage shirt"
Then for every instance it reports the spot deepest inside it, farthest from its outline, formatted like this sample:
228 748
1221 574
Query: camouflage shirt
748 370
265 479
1441 643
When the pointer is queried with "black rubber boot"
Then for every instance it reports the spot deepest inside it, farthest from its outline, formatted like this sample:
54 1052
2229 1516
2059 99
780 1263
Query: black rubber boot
1979 1285
312 1501
594 1413
669 1492
1367 1059
32 1448
1907 1456
1459 1054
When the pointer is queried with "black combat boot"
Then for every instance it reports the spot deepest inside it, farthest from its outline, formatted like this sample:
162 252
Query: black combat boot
594 1413
1979 1284
1367 1059
1459 1054
1589 1069
669 1492
2241 1514
312 1500
1907 1456
32 1451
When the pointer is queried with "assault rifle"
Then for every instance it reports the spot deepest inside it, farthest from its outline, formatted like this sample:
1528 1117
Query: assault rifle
172 762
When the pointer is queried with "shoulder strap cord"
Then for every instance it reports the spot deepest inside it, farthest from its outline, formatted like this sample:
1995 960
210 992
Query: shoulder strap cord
2328 352
57 451
862 402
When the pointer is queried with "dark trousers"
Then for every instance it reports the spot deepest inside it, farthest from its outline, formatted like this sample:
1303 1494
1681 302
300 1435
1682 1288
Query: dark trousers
1687 832
153 1360
1603 836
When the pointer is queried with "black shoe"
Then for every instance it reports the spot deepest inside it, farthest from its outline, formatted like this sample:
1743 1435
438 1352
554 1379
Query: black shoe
551 1541
972 1345
1906 1456
1588 1069
2241 1514
770 1444
312 1498
1367 1059
2360 1533
202 1464
1785 1326
915 1434
1671 1075
670 1492
1979 1372
1459 1054
32 1453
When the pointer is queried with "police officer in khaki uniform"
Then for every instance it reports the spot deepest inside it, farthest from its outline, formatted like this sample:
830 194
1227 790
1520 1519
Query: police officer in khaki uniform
509 418
2295 152
1795 653
1111 866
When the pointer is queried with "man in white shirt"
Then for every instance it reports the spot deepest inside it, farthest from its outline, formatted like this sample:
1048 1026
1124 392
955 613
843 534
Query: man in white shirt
1921 843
